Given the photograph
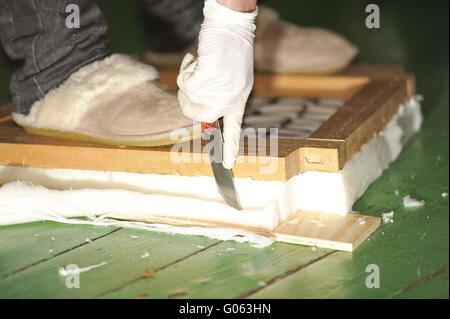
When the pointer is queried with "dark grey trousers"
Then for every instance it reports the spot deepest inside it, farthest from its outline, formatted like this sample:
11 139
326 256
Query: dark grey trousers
35 34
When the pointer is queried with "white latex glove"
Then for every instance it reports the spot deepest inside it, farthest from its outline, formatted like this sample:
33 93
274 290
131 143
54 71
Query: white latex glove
218 82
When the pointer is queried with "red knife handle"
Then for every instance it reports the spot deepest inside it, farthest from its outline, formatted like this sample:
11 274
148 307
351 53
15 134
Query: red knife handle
208 125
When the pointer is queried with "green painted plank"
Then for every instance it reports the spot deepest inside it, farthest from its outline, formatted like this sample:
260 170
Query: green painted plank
436 288
223 271
24 245
416 243
123 251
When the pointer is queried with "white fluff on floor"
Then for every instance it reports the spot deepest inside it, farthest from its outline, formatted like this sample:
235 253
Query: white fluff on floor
73 193
409 202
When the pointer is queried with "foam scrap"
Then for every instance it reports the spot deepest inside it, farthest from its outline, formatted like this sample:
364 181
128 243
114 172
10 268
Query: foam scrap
410 202
388 218
75 270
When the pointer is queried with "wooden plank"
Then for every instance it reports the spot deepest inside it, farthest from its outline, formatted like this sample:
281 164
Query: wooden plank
382 72
123 253
374 71
24 245
433 286
321 155
342 85
365 114
19 148
327 230
304 228
294 85
227 270
130 160
175 263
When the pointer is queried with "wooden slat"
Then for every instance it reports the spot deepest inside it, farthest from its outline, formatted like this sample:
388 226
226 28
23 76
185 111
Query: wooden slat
129 160
365 114
374 71
227 270
433 286
292 85
120 253
19 148
24 245
342 85
304 228
327 230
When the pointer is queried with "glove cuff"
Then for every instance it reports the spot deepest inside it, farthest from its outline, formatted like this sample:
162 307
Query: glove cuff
215 11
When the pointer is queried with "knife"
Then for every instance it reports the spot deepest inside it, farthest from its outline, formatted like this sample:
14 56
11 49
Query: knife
223 176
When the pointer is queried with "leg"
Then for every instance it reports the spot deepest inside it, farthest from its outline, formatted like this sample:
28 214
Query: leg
69 85
35 33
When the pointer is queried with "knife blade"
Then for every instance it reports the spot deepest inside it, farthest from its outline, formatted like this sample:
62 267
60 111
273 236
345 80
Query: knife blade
211 133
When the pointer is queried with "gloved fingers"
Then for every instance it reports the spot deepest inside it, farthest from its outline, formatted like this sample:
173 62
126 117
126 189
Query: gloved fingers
231 137
188 65
218 81
196 111
186 69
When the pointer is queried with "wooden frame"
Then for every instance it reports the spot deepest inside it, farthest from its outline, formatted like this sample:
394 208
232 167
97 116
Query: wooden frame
372 94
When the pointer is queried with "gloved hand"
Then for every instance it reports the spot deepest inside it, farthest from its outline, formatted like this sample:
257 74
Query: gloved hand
218 81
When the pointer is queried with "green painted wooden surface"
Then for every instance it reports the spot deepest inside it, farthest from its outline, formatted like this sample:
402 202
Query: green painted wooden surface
22 246
435 287
125 253
226 270
412 253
